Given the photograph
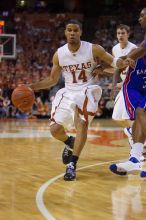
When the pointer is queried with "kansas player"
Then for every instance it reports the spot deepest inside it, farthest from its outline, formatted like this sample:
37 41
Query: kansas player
134 90
78 101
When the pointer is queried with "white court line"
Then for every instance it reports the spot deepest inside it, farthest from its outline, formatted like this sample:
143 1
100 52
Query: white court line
39 196
29 133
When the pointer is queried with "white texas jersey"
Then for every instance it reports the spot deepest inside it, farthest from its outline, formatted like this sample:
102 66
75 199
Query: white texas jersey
77 67
117 51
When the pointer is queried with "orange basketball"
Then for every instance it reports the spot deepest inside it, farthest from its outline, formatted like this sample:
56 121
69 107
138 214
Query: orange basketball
23 98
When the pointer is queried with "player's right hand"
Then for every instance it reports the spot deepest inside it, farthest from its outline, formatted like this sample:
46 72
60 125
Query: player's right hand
130 62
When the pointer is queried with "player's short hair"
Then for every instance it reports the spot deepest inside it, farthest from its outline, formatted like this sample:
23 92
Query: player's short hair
124 26
73 21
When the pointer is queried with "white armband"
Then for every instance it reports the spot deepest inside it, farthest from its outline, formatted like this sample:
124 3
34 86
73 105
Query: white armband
114 63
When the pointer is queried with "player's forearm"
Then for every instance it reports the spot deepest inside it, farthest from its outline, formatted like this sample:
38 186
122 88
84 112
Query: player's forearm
116 77
44 84
137 53
100 52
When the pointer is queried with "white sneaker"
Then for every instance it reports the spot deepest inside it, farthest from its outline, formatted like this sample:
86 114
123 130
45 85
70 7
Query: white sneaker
130 166
142 159
144 154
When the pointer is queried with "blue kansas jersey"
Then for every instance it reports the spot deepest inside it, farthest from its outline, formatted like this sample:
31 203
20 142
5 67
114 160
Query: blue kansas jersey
134 87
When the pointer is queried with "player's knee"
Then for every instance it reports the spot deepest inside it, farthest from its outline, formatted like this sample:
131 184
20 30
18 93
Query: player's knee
55 130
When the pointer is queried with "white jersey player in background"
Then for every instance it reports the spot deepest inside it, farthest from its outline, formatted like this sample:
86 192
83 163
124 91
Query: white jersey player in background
119 112
121 49
78 102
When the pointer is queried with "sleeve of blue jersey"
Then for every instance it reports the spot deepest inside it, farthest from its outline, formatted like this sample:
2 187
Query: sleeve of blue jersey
145 44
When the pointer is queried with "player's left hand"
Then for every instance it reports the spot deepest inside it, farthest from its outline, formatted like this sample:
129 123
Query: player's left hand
98 71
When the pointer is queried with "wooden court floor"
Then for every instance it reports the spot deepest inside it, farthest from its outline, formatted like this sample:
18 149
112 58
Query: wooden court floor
31 176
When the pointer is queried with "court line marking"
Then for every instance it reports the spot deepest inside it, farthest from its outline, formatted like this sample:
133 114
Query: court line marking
35 133
39 196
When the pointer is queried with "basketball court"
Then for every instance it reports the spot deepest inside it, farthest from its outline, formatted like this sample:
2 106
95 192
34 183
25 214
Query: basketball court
31 177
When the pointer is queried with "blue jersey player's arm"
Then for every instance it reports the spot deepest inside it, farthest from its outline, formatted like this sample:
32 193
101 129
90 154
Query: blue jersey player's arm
138 52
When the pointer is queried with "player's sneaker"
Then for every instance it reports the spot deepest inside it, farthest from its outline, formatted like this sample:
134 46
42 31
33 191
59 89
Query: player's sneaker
142 158
131 165
144 154
143 174
128 132
70 172
67 152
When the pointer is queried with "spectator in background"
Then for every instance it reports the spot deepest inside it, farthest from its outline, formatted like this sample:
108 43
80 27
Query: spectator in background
2 109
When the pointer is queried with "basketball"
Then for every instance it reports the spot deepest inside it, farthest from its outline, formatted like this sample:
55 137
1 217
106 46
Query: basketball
23 98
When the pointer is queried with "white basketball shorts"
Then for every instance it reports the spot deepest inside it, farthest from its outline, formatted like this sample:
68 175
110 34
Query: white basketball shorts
67 101
119 111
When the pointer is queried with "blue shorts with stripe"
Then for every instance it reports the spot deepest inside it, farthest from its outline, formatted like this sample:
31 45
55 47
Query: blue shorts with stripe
133 99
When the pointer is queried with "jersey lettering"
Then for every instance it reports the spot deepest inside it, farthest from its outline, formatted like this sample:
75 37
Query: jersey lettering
144 86
82 76
74 76
76 67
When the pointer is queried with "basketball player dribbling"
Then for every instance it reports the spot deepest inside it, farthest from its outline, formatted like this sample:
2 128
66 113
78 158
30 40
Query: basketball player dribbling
78 102
134 90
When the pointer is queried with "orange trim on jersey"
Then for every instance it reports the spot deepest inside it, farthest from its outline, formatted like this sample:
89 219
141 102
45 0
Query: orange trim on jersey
85 109
85 112
52 118
89 113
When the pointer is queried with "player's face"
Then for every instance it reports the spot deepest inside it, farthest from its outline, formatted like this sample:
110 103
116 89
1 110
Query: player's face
73 33
122 35
142 18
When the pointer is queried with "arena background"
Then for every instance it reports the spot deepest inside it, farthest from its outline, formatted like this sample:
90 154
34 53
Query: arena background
32 185
38 26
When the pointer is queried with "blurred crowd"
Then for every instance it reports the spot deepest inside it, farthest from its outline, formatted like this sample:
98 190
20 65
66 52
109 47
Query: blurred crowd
38 37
